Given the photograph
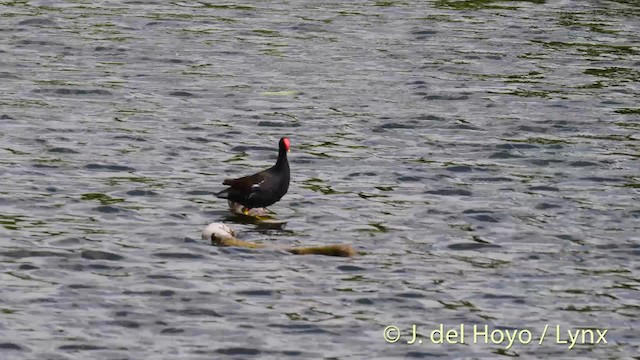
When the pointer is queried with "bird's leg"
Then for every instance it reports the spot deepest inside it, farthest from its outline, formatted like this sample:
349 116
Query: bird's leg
246 210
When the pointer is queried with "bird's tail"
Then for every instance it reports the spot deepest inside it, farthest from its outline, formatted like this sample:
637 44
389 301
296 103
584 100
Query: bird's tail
224 194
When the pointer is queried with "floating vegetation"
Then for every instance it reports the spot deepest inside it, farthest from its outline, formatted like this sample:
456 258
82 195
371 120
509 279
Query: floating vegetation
539 140
573 20
164 16
627 111
326 21
104 25
104 199
237 157
16 152
313 180
350 114
227 6
463 227
527 77
484 263
24 276
113 84
116 39
595 85
26 103
355 278
385 188
584 308
205 31
530 74
458 304
368 196
325 189
379 227
438 17
319 154
278 113
422 160
590 49
267 32
607 137
617 73
295 316
55 83
11 222
536 56
15 3
116 180
628 125
529 93
384 3
133 111
524 78
281 93
350 13
48 161
482 4
324 144
317 185
272 52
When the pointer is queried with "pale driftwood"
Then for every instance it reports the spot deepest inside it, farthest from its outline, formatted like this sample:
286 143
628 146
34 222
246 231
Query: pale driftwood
221 235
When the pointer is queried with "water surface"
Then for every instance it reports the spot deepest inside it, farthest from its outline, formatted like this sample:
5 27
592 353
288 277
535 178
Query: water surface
482 156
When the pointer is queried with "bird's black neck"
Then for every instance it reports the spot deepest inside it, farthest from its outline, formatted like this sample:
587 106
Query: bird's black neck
282 159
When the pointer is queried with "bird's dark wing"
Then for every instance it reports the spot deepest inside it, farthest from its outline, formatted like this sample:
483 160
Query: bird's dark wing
246 184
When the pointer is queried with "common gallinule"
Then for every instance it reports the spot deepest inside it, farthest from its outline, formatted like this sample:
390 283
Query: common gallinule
261 189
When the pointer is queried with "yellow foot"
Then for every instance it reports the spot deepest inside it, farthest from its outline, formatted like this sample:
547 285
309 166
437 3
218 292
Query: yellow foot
245 211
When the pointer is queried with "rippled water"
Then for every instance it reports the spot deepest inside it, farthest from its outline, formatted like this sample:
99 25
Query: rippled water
481 156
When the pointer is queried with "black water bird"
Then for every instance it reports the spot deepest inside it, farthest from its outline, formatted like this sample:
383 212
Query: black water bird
261 189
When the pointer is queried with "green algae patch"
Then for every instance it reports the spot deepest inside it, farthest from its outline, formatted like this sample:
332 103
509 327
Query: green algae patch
227 6
539 141
628 111
281 93
318 185
324 189
590 48
15 152
482 4
116 180
529 93
384 3
385 188
238 157
266 32
12 222
615 73
104 199
573 20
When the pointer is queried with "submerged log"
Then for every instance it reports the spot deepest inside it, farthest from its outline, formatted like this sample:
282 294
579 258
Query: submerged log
222 235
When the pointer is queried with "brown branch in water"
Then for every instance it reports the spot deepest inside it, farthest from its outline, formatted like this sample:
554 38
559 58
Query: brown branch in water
328 250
